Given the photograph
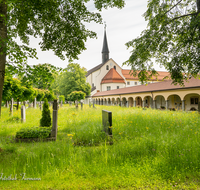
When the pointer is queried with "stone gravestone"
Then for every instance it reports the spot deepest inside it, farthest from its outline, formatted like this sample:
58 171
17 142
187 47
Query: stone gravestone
55 120
34 103
23 114
81 105
11 107
107 122
61 103
93 104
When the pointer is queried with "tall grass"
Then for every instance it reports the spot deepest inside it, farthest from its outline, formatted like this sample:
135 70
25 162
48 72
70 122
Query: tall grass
151 148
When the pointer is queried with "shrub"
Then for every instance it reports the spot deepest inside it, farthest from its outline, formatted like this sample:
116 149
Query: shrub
45 121
35 132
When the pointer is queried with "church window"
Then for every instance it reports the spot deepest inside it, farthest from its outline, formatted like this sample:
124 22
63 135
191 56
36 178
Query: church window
194 101
108 88
107 67
128 83
117 87
115 67
135 83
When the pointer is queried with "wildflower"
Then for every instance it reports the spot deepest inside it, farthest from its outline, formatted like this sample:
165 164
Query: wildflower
120 133
70 135
147 128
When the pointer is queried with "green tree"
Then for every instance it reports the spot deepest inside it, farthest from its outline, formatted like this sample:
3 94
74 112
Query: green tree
59 24
76 96
172 38
45 121
41 76
62 98
73 79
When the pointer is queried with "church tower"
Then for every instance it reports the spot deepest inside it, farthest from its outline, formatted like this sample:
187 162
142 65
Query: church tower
105 50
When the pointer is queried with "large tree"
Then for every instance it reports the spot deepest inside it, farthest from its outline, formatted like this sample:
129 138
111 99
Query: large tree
73 79
59 24
172 38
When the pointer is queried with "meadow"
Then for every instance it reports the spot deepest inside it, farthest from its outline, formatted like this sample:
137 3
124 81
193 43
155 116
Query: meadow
151 149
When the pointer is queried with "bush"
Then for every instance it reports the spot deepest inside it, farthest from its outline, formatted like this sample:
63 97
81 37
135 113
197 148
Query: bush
45 121
35 132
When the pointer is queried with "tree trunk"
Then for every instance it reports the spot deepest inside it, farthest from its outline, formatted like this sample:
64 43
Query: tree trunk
17 103
3 38
198 10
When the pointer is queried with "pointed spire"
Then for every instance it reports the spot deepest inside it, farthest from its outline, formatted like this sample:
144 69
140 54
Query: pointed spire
105 50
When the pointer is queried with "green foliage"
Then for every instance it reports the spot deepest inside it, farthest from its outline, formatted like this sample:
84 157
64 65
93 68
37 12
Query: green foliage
40 95
62 98
49 95
171 38
76 95
33 132
13 119
73 79
45 121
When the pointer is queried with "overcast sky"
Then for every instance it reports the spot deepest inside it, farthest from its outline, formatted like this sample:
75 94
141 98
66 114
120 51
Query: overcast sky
123 25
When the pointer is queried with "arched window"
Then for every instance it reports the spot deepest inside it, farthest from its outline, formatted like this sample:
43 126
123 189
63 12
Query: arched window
107 67
115 67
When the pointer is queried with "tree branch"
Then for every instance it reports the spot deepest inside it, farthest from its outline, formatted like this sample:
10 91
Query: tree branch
185 15
173 7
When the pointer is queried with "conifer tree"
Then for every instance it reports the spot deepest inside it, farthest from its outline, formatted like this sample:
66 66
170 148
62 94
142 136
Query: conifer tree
45 121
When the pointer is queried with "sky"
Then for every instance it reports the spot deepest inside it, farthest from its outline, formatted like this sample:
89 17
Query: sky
123 25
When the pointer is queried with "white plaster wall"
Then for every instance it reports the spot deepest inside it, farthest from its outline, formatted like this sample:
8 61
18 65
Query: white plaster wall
112 85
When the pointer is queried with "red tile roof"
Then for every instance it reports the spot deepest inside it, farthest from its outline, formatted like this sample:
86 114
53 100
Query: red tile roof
112 77
159 86
128 75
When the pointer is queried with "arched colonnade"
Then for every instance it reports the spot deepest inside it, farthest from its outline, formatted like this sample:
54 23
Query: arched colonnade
180 100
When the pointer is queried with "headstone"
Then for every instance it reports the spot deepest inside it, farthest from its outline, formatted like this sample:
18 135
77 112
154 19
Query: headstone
93 104
81 105
11 107
107 122
55 119
34 103
23 114
61 103
40 105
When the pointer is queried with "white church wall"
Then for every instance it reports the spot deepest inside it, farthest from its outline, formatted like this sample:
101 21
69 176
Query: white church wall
112 86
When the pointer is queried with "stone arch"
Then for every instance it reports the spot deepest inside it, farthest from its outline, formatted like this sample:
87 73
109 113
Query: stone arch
105 101
138 100
118 101
160 102
191 101
113 101
148 102
174 102
130 101
123 102
109 101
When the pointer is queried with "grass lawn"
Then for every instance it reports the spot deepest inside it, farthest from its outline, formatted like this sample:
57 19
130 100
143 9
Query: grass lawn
151 149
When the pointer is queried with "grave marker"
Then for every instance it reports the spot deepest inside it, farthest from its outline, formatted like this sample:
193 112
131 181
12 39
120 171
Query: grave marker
55 120
107 122
81 105
23 114
11 107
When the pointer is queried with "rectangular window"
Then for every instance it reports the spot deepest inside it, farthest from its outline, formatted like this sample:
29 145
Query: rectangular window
194 101
108 88
128 83
117 87
135 83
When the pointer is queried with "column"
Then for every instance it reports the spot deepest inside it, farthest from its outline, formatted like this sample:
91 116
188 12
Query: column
143 103
167 104
183 105
127 104
154 104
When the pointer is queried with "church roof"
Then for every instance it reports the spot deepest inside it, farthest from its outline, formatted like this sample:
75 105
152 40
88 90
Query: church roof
128 75
153 87
105 44
112 77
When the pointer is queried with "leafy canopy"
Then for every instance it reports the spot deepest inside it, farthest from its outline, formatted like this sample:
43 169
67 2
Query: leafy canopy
73 79
171 38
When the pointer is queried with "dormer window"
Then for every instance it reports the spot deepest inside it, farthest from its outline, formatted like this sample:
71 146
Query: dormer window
107 67
115 67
